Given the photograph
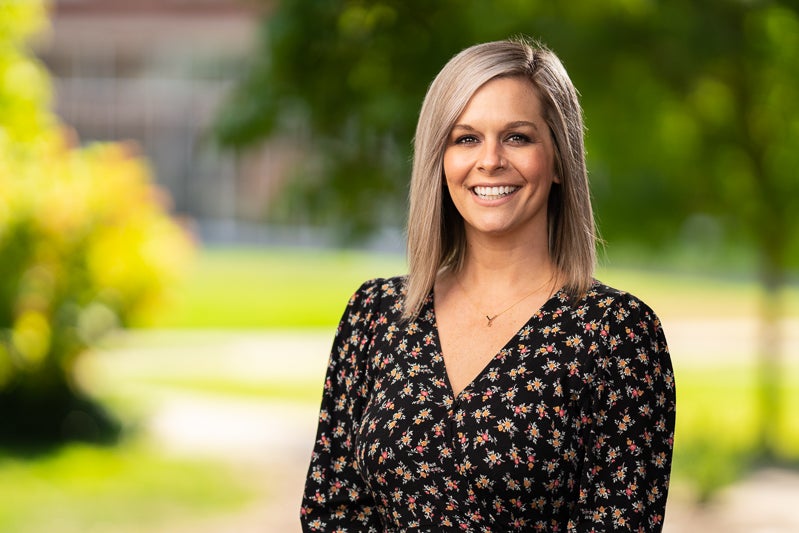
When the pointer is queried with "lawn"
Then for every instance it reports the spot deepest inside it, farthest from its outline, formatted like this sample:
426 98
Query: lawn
285 288
254 288
295 289
129 488
136 487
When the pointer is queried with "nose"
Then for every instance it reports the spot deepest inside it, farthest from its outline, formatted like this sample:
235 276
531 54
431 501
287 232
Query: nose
491 157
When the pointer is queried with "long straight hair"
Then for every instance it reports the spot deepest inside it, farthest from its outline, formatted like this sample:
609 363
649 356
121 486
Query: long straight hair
436 234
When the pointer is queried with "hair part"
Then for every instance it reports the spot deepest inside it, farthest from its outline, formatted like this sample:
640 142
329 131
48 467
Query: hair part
436 235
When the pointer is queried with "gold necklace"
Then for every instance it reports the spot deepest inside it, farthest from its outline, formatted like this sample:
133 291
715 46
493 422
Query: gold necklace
490 318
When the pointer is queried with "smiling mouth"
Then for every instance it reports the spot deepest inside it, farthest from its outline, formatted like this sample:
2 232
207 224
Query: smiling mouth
494 193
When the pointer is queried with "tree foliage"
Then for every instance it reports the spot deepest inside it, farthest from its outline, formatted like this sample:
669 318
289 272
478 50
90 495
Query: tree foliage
692 111
354 73
86 245
675 93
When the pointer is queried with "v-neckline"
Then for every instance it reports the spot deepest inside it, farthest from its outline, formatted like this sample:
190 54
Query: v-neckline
492 361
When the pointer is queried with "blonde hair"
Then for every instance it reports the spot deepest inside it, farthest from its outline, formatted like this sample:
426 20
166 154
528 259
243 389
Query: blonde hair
436 236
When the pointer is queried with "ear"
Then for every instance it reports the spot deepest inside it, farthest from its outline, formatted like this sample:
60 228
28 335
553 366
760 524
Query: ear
556 179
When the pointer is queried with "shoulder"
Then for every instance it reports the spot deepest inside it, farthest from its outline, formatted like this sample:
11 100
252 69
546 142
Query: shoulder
381 287
612 304
619 319
630 331
379 294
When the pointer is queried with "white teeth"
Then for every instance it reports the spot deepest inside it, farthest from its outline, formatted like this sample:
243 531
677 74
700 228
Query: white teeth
493 193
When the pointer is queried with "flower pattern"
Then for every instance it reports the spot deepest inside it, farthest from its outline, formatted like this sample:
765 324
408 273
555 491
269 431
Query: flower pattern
569 428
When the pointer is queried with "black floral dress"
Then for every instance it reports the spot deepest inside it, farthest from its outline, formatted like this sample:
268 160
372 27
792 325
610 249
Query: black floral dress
568 428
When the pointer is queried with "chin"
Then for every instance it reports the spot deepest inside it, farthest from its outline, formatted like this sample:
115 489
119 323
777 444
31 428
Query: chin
493 230
504 228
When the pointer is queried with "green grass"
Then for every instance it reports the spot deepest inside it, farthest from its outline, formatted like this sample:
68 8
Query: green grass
282 288
717 424
134 488
259 288
130 487
696 295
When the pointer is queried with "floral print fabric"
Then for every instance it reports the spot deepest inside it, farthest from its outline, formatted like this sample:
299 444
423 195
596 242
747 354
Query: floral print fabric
568 428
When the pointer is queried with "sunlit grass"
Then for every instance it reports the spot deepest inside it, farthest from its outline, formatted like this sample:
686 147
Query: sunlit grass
717 424
131 487
266 288
696 295
285 288
134 488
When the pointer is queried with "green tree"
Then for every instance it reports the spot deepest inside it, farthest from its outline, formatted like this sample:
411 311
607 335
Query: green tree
357 83
85 242
691 110
737 102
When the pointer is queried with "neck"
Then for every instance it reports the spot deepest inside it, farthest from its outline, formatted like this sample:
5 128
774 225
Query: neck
503 266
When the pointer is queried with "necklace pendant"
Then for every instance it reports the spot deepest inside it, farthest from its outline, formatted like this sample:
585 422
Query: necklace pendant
490 319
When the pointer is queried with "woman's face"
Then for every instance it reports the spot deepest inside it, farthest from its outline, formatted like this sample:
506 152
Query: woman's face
499 161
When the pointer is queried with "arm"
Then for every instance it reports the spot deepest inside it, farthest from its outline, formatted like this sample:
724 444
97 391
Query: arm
336 498
625 477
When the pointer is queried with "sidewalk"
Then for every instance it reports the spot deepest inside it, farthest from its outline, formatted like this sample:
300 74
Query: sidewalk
272 440
763 503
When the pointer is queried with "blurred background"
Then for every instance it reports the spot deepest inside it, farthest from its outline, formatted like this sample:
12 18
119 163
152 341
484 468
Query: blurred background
190 190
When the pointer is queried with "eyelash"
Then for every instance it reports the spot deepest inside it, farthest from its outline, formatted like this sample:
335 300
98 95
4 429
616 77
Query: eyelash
466 139
513 137
519 137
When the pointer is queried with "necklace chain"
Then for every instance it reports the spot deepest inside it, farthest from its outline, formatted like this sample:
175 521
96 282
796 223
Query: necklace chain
490 318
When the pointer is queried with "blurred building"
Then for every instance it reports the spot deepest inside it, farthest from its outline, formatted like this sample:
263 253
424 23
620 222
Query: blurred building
155 71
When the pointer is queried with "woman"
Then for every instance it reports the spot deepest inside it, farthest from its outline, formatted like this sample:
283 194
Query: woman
498 387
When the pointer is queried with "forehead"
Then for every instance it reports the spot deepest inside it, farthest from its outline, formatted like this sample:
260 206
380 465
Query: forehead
504 97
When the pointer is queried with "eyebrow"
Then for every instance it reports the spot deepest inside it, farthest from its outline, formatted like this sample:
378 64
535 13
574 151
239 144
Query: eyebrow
508 126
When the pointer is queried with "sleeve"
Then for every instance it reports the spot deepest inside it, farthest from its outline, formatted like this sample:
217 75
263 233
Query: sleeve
625 478
336 498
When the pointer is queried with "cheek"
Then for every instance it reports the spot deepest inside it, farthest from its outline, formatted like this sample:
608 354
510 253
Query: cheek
454 170
541 167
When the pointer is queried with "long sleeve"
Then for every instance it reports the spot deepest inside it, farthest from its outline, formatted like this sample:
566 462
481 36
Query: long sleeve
336 498
625 478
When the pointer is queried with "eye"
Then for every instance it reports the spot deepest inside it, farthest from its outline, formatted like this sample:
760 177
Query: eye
518 138
466 139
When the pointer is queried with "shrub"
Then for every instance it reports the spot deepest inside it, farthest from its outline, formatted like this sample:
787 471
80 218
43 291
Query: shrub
86 244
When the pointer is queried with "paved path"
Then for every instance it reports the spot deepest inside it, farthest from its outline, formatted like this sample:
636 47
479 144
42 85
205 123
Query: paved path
272 440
